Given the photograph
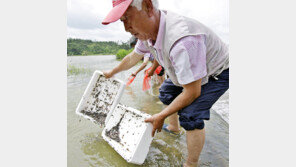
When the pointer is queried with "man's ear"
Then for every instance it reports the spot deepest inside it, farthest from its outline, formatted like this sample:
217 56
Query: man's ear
147 6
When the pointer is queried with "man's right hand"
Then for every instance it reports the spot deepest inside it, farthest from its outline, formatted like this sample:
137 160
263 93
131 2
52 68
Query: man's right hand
108 74
134 74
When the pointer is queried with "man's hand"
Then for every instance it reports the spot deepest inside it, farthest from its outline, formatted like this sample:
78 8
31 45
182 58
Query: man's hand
134 74
157 121
150 73
108 74
153 68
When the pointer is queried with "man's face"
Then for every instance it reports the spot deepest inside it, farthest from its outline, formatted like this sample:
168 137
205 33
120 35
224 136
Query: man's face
137 23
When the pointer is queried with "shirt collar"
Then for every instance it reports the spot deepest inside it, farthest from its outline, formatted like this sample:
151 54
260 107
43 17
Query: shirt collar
159 38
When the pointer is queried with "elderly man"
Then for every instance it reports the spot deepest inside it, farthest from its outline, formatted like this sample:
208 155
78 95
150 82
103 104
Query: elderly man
194 57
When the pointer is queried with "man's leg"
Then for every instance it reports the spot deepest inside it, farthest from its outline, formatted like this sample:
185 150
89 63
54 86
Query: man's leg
174 123
167 93
160 79
191 117
195 141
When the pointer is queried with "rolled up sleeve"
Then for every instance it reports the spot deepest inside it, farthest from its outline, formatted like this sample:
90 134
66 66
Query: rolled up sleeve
140 48
188 57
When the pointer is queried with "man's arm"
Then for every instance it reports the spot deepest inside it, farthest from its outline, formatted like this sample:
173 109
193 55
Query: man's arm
190 93
128 61
144 64
153 68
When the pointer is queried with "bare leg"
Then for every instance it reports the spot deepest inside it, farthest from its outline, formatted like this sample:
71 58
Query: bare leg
174 123
195 142
160 79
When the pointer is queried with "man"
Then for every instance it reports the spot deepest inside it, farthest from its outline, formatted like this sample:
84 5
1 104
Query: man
147 57
159 74
194 57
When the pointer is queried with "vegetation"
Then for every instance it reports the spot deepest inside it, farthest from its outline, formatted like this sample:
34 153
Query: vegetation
122 53
88 47
73 70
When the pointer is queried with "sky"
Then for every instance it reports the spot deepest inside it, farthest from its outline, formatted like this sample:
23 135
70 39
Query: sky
84 18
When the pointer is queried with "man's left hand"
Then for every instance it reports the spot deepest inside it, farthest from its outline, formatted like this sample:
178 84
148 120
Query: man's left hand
150 73
157 121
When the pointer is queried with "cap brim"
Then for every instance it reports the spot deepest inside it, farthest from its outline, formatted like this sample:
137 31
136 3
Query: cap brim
117 12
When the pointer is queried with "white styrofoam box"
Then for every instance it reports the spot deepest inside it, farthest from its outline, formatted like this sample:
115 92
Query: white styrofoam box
100 97
128 134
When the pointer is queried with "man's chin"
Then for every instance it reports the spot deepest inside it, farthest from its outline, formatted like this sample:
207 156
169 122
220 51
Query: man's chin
142 38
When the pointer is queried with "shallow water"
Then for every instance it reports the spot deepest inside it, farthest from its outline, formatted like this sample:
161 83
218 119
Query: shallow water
86 146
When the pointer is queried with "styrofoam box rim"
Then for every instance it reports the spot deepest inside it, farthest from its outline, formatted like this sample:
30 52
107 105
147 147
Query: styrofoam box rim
146 132
88 91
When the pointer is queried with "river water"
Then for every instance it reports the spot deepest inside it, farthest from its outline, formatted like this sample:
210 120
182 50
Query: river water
86 146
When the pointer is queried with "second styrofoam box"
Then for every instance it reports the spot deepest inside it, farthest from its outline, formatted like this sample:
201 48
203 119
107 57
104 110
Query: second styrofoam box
128 134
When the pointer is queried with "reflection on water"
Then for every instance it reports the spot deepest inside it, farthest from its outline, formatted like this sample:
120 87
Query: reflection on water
86 147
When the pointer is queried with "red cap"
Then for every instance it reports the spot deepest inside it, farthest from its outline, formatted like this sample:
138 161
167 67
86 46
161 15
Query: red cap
119 7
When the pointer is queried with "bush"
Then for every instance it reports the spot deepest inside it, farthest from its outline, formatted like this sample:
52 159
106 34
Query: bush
122 53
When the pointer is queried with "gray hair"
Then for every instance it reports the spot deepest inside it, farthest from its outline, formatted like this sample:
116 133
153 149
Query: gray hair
138 4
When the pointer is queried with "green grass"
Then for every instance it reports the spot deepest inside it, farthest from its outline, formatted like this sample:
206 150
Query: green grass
73 70
122 53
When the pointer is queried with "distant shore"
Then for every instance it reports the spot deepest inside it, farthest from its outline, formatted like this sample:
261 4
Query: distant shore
80 47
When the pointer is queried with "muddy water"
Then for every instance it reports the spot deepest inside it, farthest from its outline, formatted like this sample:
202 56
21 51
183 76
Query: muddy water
87 148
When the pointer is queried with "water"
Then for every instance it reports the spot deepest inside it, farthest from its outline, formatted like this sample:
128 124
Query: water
87 148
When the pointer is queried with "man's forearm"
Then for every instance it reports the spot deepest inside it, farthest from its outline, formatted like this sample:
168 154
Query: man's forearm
190 92
155 65
182 100
141 68
128 61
